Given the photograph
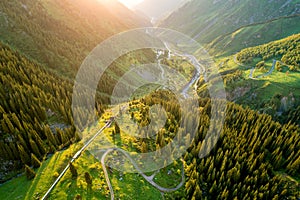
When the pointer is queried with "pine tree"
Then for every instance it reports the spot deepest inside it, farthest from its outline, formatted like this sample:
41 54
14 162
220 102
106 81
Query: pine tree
8 123
73 170
4 127
36 163
17 122
144 147
35 148
30 174
198 193
23 154
50 136
39 142
117 128
88 179
14 151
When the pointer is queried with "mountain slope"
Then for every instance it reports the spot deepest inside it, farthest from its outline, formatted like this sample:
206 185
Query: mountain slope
206 20
35 112
255 34
59 33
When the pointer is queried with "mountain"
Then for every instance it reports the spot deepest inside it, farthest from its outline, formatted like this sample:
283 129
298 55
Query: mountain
157 9
60 33
231 25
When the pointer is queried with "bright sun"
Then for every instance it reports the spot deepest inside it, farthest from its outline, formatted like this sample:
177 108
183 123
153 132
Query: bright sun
130 3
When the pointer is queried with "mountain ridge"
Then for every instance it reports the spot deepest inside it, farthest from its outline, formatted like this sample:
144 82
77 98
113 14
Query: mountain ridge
206 20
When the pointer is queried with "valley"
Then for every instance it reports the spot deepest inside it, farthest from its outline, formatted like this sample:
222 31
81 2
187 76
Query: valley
213 113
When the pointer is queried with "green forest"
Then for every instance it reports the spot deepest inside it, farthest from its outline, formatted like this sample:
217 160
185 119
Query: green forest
255 157
287 50
35 111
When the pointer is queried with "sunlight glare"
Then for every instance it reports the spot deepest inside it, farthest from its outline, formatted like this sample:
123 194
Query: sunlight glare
130 3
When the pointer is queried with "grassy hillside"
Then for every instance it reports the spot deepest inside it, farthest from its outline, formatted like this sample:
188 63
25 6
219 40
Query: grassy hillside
206 20
59 34
253 79
254 35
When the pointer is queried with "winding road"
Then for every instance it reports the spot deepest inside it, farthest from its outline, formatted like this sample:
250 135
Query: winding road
149 179
253 68
265 74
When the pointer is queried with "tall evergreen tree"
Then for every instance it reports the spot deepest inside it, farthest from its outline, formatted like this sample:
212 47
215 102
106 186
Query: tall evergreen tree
36 163
88 179
73 170
30 174
23 154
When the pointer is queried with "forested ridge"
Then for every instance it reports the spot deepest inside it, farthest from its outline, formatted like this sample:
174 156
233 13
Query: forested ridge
244 164
255 157
35 110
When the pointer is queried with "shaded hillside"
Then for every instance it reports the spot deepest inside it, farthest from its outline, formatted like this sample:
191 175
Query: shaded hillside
61 33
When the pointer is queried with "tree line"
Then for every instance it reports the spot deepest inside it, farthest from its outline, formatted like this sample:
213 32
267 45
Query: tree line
288 50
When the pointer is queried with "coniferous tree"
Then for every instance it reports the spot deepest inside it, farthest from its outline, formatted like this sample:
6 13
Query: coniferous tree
30 174
73 170
117 129
35 148
24 155
88 179
50 137
36 163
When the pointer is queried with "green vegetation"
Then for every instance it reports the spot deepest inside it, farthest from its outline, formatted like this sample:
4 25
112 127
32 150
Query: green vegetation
127 186
253 35
287 49
29 96
274 91
35 108
59 34
225 27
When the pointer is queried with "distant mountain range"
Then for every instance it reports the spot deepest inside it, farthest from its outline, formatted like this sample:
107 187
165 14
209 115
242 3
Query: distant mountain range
158 9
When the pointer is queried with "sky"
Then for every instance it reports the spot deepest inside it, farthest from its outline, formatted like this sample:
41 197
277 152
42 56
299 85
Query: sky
130 3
